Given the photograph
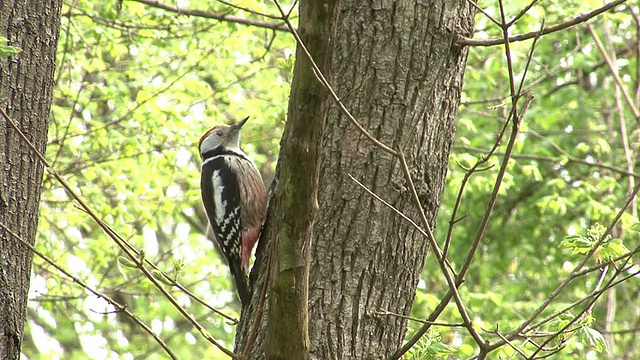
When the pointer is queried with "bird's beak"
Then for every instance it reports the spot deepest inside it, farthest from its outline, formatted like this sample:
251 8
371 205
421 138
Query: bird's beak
237 126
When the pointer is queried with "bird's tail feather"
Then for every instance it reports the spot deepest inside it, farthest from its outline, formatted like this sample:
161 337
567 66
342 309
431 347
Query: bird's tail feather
242 283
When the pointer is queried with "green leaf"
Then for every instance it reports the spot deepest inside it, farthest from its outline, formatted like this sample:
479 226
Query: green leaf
126 262
613 249
562 321
431 346
158 275
592 338
440 349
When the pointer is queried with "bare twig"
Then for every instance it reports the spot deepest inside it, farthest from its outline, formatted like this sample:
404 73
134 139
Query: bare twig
434 323
486 14
591 302
422 231
508 342
614 71
476 166
584 299
636 16
193 296
249 10
522 13
453 220
210 15
452 293
551 29
566 157
451 282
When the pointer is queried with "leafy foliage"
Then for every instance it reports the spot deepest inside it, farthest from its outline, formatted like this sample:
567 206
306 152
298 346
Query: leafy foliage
604 247
431 346
570 172
136 87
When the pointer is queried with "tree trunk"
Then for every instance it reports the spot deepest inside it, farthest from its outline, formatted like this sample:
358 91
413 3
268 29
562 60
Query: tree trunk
396 67
26 83
398 71
295 203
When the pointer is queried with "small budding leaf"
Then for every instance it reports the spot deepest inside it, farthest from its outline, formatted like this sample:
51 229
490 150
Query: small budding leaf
178 265
160 277
126 262
578 244
563 320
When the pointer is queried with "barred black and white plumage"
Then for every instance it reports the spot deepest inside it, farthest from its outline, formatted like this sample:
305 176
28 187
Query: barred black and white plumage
234 198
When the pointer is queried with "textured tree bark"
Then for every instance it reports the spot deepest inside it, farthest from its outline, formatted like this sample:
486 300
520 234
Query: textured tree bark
396 67
26 83
295 203
398 71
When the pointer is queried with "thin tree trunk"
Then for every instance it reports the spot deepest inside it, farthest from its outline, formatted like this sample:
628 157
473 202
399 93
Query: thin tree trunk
26 83
399 72
295 203
396 67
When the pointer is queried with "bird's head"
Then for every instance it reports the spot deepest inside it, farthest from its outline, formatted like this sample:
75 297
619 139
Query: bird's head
222 137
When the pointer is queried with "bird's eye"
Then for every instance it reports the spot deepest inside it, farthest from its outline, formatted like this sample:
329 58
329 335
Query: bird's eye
219 133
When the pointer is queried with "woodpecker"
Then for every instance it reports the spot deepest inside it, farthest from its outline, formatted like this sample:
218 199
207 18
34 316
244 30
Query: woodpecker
234 198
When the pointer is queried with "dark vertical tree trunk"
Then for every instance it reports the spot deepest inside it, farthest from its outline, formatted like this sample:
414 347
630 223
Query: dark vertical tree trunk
396 67
26 83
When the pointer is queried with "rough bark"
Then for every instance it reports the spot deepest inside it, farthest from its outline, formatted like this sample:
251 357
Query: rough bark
396 67
398 71
26 83
295 203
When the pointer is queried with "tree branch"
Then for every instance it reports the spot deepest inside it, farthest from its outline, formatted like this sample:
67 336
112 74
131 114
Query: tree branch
614 71
568 157
551 29
210 15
